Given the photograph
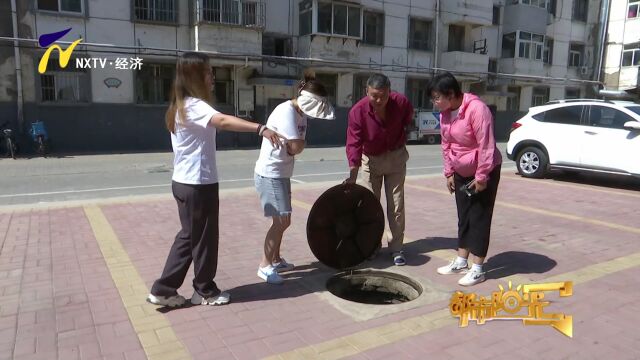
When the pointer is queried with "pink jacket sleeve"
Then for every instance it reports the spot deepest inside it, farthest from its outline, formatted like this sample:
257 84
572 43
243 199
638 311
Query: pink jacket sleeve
482 123
446 149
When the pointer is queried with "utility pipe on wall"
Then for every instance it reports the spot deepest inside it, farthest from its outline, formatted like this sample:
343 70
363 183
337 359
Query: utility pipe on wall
436 49
18 63
604 24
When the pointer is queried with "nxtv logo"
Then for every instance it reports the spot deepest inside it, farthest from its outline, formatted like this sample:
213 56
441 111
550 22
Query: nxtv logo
47 39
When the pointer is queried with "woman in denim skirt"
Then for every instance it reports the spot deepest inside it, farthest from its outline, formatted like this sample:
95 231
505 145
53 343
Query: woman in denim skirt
274 168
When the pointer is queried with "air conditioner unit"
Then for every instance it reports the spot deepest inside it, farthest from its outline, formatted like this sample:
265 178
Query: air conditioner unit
584 70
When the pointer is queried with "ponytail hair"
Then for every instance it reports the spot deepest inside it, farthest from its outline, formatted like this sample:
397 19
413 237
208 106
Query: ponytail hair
310 84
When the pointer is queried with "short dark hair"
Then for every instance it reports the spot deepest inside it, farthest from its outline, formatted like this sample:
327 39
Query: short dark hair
446 84
378 81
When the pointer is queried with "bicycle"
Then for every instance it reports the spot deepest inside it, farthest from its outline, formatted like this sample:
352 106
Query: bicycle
10 142
40 137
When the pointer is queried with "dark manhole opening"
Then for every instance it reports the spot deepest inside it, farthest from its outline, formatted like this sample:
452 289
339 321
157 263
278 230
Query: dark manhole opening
373 287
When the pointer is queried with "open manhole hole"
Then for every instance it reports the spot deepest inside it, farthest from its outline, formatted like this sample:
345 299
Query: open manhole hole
344 228
373 287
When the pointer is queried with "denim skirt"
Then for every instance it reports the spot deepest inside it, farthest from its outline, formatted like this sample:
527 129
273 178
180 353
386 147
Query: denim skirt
275 195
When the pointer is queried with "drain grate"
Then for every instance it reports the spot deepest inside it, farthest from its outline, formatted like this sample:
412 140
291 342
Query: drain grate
374 287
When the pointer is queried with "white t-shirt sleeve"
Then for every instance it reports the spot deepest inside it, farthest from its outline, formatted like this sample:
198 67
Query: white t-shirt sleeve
284 122
199 112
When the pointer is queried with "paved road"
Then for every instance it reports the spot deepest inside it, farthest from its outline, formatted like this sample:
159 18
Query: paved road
36 180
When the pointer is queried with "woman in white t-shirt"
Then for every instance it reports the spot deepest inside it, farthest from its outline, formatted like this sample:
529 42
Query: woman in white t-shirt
193 123
274 168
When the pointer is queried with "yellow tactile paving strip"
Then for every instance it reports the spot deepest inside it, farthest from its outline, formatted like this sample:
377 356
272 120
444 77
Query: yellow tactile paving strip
369 339
154 330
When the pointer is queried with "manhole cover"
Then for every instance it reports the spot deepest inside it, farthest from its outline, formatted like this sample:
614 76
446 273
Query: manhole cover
373 287
345 226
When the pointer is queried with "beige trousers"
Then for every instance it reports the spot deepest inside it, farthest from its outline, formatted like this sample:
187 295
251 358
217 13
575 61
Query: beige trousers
390 168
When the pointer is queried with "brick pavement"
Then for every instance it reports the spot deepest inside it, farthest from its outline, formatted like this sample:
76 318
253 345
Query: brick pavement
73 280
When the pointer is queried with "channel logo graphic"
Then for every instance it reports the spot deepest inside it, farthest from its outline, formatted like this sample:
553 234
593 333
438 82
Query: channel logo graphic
45 41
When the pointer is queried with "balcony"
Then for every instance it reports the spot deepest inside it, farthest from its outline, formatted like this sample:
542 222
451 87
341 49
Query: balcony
239 13
474 12
527 18
521 66
328 47
465 61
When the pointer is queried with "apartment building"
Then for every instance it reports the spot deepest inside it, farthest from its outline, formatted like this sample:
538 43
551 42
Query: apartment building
623 46
514 53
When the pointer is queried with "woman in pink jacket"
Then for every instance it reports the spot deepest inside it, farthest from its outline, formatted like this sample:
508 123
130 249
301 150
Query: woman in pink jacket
472 168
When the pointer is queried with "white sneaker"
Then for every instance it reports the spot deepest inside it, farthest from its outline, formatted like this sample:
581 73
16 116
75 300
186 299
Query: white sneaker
170 301
270 275
222 299
453 268
471 278
283 266
398 259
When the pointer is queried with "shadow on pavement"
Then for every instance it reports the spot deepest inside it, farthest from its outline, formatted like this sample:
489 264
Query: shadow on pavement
517 262
303 280
609 181
414 252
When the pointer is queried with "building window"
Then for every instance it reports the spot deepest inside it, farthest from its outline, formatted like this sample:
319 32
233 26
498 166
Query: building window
64 86
632 9
74 6
330 82
523 44
153 83
305 17
576 53
373 28
551 7
493 66
540 96
456 38
420 34
223 86
631 55
509 45
417 93
536 3
276 46
547 56
572 93
155 10
580 10
359 87
496 15
530 45
339 19
513 101
233 12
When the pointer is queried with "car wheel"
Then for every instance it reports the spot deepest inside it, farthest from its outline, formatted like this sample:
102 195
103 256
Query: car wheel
532 163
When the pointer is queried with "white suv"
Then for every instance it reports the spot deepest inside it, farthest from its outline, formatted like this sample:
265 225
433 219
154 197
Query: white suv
592 135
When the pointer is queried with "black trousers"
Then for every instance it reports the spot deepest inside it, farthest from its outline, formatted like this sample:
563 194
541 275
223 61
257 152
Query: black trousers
197 241
475 213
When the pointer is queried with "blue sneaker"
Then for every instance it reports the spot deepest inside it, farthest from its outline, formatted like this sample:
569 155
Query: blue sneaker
283 266
398 259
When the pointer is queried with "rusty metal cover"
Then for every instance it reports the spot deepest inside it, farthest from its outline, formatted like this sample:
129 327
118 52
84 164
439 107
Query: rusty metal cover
345 226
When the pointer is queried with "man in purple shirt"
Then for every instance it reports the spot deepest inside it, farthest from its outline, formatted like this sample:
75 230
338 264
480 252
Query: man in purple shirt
376 140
